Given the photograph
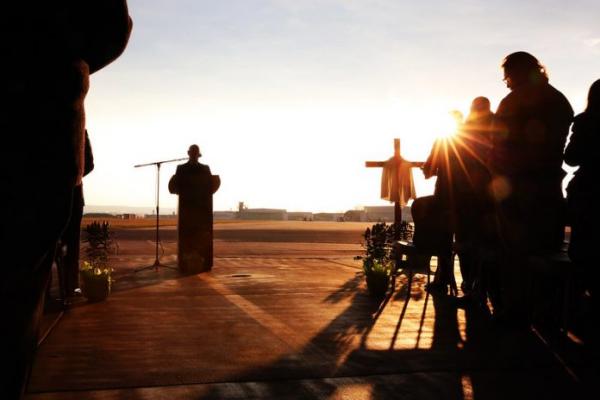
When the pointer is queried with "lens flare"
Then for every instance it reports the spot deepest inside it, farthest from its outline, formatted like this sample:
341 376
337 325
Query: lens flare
448 125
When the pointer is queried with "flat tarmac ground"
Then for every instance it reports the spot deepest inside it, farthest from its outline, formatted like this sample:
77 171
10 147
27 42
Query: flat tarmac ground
283 314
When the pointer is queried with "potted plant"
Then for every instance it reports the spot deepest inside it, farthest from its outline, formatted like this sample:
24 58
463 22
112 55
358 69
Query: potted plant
377 275
96 281
96 273
379 259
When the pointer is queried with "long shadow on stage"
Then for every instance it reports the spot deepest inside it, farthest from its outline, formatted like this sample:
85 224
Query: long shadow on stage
426 350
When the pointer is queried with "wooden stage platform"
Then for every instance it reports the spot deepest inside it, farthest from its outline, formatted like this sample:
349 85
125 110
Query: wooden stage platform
295 323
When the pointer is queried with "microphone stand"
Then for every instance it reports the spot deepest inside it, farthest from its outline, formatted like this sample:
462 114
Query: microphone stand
157 262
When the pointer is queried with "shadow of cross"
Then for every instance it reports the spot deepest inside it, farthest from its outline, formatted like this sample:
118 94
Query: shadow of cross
397 158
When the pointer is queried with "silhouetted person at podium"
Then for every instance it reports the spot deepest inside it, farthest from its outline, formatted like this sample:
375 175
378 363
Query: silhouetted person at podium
533 121
48 49
195 185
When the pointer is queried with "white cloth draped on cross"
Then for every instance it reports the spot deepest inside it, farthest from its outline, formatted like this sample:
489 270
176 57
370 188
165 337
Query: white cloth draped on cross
397 185
396 181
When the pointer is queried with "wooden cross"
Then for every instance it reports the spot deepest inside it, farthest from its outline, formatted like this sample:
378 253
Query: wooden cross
399 160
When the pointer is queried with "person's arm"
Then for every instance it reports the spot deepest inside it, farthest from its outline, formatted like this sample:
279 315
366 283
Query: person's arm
88 161
215 182
174 183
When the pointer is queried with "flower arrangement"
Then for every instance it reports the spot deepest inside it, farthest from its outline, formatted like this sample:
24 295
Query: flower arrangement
96 273
379 258
97 281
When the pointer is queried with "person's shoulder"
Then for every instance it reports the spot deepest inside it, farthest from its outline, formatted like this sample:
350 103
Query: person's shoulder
586 121
194 168
567 107
558 95
509 101
205 169
185 168
555 91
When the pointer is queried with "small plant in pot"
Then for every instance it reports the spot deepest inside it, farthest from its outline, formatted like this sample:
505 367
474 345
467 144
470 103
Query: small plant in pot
96 281
96 273
377 274
378 261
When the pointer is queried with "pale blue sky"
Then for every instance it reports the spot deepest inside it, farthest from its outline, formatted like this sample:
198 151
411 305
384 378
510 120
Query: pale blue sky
287 99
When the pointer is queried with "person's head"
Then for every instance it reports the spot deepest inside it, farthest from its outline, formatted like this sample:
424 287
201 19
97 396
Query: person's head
194 152
593 104
480 106
521 68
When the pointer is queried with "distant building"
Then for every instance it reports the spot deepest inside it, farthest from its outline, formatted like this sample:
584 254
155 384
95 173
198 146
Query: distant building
299 216
271 214
385 213
131 216
355 216
379 213
225 215
98 215
376 214
328 216
161 216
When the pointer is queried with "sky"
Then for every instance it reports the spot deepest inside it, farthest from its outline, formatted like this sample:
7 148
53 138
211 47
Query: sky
288 98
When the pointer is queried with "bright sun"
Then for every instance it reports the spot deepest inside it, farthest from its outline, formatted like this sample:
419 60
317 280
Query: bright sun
449 124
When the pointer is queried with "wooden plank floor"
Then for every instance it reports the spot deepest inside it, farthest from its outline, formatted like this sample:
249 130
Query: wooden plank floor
285 327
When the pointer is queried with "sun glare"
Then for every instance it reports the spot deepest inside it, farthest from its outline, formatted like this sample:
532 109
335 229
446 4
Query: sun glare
448 124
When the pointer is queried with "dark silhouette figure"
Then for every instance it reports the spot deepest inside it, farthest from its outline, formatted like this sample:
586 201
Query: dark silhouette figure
195 185
461 193
433 237
583 193
435 213
461 190
475 227
533 124
70 240
49 49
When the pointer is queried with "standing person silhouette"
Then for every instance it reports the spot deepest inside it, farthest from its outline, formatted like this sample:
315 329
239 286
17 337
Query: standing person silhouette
474 212
49 50
195 185
533 124
583 192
